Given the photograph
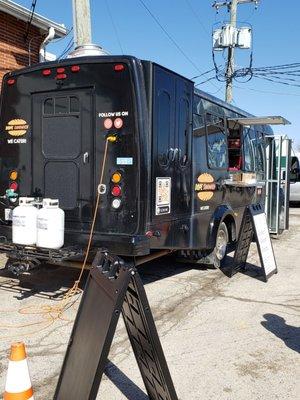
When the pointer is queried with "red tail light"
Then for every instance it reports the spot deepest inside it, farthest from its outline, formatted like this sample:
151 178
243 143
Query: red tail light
60 70
46 72
119 67
14 186
61 76
11 81
75 68
116 191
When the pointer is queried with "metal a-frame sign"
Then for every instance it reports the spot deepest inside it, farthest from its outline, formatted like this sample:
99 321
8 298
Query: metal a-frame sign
254 223
113 287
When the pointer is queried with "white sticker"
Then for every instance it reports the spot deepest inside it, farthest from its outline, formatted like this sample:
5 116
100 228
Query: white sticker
16 141
124 161
203 208
8 214
163 196
113 114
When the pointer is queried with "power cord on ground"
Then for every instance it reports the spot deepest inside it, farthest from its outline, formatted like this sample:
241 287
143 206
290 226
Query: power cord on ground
51 313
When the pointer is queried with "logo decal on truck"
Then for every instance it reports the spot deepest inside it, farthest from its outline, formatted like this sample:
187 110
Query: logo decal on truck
17 127
205 187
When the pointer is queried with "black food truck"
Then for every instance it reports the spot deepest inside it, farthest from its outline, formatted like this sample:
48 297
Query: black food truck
180 165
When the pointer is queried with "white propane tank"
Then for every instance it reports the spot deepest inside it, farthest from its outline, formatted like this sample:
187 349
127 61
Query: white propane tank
50 225
24 222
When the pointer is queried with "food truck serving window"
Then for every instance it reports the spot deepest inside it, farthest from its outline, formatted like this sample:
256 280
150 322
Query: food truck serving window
216 142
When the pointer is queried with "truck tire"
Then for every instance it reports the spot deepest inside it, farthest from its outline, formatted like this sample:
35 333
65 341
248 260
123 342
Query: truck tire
220 250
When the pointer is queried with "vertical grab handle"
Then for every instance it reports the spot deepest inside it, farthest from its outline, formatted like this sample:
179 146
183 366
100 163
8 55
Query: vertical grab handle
86 157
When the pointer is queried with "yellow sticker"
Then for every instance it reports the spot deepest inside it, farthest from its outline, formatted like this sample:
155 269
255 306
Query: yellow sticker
205 187
17 127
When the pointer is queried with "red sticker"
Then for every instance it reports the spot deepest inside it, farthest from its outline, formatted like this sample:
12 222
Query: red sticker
118 123
108 123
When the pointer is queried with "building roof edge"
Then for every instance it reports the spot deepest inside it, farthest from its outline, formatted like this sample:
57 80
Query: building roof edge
38 20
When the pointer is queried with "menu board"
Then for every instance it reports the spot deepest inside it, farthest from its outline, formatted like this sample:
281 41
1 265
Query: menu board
263 241
255 223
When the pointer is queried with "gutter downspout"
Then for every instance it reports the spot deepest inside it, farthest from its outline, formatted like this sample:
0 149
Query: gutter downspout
48 38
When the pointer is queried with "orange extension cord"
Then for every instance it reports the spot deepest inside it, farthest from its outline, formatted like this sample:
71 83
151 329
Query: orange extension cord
52 313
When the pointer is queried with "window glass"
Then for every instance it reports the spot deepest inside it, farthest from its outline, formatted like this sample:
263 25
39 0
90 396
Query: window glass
49 106
164 124
257 145
74 104
216 142
259 152
198 105
198 125
248 148
260 157
61 105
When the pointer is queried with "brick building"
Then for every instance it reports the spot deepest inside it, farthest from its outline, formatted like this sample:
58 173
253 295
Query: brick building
16 50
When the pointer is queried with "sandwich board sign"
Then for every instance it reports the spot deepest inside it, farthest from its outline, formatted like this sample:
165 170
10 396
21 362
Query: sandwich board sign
113 287
255 223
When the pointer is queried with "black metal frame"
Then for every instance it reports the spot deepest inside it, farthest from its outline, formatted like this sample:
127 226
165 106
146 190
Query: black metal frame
112 287
20 252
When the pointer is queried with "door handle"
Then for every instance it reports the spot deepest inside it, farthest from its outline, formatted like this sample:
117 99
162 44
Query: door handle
86 157
172 154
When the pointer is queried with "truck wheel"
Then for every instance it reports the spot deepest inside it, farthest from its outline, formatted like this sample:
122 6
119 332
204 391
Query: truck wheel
220 250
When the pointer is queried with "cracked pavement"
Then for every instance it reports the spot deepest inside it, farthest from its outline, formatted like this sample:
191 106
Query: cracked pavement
223 338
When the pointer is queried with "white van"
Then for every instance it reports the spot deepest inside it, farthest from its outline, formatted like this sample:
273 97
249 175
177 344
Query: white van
295 180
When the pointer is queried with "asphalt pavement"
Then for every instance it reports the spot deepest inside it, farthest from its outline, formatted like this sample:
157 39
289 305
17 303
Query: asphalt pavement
223 338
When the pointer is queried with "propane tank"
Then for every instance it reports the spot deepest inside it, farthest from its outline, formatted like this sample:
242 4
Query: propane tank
24 218
50 225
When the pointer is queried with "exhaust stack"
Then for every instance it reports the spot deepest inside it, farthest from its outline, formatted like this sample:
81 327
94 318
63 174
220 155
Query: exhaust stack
88 50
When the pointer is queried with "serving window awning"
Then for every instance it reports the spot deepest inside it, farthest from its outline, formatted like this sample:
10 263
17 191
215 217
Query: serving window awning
271 120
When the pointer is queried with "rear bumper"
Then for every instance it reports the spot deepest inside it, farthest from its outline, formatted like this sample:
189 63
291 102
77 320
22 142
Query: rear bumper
75 246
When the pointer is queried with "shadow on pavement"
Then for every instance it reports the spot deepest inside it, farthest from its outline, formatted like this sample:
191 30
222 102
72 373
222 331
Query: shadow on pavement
48 282
53 281
289 334
128 388
251 270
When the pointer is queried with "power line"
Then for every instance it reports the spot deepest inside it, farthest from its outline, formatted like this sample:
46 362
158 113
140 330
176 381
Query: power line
197 17
63 37
272 80
169 36
114 26
67 48
207 80
32 8
204 73
268 92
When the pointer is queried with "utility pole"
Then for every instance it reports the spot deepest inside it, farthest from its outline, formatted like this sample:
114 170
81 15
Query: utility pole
232 8
230 59
82 22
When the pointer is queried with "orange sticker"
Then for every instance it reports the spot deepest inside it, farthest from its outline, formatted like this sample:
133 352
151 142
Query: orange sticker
205 187
17 127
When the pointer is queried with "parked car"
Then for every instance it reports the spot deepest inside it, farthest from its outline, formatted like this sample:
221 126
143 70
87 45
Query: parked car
295 181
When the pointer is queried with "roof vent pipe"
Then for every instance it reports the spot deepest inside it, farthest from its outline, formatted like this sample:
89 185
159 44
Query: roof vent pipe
88 50
48 38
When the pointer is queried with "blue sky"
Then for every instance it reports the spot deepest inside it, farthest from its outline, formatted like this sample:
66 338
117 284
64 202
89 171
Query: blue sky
125 26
